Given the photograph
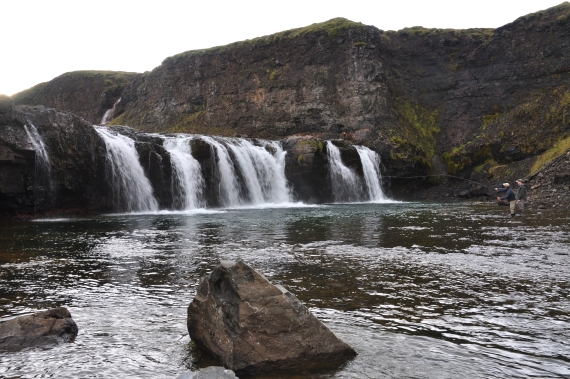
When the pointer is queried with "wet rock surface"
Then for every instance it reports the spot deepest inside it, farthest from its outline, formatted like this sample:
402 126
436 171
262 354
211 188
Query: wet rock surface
253 326
45 328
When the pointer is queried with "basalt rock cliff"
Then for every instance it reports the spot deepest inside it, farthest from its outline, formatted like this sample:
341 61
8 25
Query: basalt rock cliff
466 103
71 179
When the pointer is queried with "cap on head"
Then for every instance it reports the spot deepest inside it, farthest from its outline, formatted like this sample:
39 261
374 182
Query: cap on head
520 180
506 185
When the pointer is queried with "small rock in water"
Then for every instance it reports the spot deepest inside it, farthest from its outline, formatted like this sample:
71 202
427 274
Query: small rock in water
49 327
212 372
254 326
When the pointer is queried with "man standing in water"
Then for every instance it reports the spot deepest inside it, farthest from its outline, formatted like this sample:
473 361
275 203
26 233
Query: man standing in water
508 199
521 196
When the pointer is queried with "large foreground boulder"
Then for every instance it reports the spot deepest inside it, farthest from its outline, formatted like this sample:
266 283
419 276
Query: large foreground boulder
45 328
254 326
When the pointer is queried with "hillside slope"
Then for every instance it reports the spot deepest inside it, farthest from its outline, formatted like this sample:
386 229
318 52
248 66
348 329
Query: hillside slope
88 94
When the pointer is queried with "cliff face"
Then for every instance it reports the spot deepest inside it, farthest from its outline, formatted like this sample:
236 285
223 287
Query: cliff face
49 160
429 101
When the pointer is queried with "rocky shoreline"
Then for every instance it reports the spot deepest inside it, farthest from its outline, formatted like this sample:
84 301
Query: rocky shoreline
547 188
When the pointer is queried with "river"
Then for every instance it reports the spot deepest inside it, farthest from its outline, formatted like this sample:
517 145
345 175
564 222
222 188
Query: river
419 290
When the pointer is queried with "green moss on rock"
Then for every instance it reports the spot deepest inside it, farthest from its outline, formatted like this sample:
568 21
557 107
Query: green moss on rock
418 130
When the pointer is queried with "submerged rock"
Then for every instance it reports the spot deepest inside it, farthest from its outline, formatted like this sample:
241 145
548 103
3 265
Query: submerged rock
50 327
255 326
212 372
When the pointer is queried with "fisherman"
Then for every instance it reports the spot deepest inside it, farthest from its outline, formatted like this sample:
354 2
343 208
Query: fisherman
509 198
520 196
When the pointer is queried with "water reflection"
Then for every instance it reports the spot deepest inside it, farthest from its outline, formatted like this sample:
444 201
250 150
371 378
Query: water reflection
435 290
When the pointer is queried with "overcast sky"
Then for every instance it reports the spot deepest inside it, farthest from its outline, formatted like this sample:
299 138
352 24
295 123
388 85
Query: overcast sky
46 38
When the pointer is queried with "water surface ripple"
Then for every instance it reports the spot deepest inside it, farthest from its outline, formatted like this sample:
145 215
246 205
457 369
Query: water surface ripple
419 290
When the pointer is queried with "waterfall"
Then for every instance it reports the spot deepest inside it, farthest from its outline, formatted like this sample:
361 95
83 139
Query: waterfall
229 187
42 161
371 169
132 191
263 172
250 174
346 185
187 180
110 113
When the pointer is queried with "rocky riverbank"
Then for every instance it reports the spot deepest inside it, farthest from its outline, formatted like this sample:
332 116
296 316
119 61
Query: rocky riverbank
547 188
550 187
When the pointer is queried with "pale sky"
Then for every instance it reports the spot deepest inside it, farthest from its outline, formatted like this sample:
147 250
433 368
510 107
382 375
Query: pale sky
43 39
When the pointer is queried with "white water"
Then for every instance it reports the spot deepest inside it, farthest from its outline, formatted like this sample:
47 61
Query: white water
108 116
245 174
263 173
132 191
187 180
42 161
229 190
372 175
346 184
249 174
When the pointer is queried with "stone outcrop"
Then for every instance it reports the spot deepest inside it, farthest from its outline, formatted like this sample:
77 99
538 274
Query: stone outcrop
45 328
88 94
253 326
550 187
74 178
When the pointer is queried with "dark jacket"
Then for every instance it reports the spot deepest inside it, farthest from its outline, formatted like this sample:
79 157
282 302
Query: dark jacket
521 193
509 194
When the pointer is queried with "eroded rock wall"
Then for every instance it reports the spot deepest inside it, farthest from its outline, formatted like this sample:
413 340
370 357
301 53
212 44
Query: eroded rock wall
73 181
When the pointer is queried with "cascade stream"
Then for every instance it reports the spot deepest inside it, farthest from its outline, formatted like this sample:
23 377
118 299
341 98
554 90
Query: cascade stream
132 191
110 113
347 185
187 180
372 175
43 163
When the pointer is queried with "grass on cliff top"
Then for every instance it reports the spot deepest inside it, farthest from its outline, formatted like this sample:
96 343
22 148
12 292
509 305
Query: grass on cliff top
112 79
333 28
558 13
420 31
560 148
96 74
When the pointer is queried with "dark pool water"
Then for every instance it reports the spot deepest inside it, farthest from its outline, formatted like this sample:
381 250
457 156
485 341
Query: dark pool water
419 290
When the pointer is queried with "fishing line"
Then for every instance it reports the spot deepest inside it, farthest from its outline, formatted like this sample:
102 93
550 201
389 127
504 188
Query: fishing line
427 176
